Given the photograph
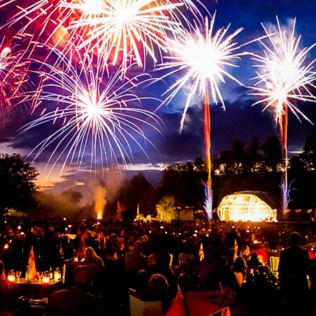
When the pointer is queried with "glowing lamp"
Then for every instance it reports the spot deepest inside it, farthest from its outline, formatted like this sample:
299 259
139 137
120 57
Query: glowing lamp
57 275
11 276
46 279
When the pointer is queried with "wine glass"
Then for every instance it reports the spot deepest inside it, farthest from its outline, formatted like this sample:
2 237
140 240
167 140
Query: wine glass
18 274
40 276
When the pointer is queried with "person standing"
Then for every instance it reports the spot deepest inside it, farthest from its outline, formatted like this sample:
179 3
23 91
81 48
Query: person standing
293 272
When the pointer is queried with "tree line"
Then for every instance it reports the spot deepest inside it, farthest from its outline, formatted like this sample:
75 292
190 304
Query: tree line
253 167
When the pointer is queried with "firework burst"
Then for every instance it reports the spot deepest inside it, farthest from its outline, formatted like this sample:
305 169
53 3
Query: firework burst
283 74
284 78
95 114
128 30
200 58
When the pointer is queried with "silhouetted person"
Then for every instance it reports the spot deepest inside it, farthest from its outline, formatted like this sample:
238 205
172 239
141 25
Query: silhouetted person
74 301
134 260
293 271
162 267
93 262
253 261
110 282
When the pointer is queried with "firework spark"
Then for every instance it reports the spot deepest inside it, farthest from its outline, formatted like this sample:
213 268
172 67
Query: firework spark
88 8
128 30
45 19
208 201
201 59
93 112
193 7
283 79
13 68
6 63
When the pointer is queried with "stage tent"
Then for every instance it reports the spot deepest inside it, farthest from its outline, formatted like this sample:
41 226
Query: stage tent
254 206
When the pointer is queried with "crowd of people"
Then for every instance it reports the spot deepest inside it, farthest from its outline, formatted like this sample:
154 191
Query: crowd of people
105 260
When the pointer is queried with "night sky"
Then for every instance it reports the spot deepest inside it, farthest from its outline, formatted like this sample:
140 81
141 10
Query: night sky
239 121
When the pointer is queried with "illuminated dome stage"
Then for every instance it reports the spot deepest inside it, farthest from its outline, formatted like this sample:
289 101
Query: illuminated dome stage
253 206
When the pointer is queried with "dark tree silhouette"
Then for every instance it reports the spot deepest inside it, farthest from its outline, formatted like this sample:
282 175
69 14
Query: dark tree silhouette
302 175
253 157
239 156
185 183
17 183
309 154
272 155
254 167
136 191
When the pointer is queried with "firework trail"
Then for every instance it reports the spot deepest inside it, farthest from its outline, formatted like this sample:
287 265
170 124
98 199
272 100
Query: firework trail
6 3
283 79
95 113
201 58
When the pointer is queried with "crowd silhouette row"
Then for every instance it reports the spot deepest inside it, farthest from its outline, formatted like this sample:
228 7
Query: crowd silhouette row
105 261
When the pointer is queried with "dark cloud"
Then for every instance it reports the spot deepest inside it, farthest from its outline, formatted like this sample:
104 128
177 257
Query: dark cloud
240 120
